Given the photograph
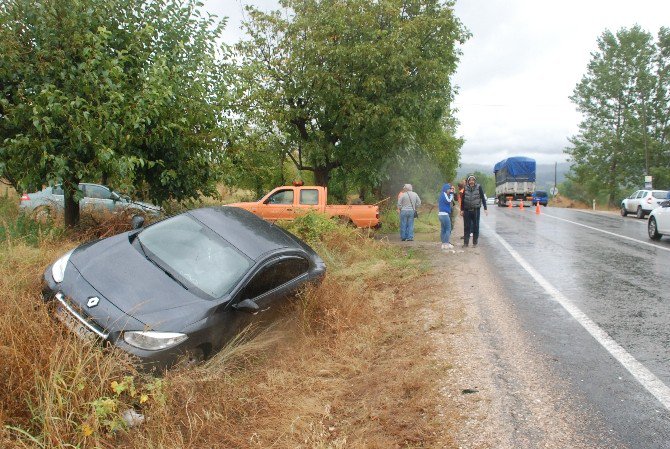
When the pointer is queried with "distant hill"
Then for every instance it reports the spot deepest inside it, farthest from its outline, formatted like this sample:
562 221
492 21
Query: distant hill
545 173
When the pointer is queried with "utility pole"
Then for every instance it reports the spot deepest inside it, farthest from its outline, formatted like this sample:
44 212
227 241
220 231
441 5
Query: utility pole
554 190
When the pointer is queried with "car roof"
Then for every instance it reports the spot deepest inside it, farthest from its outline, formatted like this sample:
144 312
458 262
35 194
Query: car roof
247 232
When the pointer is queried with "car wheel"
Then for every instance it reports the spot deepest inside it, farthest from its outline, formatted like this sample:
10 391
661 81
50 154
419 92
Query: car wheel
639 213
652 229
42 214
624 212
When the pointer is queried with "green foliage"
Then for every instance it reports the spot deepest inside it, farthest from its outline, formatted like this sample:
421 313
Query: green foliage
99 89
426 166
348 85
106 412
311 227
625 100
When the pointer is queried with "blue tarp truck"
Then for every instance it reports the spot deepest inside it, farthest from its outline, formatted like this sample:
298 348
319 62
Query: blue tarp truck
515 181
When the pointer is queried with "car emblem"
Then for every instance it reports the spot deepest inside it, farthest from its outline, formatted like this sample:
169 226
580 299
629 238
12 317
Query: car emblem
93 301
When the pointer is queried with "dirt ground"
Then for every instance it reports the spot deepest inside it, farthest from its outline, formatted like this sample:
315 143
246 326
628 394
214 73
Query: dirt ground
502 390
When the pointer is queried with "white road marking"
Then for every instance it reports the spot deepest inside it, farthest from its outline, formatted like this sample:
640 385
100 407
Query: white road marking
645 377
610 233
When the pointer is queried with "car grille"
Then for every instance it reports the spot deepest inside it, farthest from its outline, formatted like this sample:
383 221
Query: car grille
74 319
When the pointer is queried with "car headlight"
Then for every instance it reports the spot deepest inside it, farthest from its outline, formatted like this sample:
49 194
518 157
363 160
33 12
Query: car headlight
58 268
153 341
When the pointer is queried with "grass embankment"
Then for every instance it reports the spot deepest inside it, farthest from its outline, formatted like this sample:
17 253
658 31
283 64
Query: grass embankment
345 367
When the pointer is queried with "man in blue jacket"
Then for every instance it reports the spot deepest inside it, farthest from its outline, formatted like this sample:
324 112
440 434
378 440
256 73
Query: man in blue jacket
472 199
444 203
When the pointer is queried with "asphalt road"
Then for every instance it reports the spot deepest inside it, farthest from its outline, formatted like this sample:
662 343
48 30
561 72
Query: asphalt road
594 291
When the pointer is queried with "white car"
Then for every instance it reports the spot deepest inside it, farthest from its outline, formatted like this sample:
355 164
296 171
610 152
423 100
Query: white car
642 202
659 221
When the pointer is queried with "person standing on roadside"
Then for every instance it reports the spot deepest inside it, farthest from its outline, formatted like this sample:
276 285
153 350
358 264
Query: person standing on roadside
456 204
444 203
472 199
408 204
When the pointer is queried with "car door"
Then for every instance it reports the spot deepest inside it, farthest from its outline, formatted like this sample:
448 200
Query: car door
268 288
308 199
279 205
278 278
98 197
634 201
662 215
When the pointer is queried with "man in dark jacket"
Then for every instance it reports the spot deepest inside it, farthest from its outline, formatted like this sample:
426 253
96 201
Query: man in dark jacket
472 199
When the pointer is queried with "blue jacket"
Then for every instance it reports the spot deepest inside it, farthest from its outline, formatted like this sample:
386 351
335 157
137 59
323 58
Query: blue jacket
445 199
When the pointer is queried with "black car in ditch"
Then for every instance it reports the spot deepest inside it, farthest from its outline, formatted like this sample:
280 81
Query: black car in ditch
179 288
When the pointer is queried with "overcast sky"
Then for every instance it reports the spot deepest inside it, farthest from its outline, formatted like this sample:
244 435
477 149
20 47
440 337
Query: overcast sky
519 67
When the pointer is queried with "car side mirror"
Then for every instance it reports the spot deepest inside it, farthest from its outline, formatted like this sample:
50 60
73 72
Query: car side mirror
137 221
247 305
115 196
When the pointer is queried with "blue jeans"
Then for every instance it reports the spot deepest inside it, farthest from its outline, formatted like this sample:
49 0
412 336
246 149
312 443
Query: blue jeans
445 228
407 225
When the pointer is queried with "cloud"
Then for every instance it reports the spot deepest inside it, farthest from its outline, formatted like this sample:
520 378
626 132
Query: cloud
521 65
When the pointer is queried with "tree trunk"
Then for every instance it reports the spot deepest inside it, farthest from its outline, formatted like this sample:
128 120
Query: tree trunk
71 214
321 176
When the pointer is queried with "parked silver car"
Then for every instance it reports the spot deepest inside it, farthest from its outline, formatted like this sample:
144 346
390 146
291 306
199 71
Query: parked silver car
642 202
97 197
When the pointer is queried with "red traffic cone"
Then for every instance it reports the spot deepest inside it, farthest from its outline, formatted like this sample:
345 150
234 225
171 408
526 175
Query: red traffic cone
537 208
521 204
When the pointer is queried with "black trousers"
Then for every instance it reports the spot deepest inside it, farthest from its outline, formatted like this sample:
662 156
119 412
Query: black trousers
471 225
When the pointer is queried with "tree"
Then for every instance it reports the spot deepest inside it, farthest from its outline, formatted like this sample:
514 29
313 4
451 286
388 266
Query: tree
113 89
624 101
350 83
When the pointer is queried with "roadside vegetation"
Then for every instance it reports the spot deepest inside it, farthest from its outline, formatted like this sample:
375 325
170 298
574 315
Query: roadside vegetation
339 369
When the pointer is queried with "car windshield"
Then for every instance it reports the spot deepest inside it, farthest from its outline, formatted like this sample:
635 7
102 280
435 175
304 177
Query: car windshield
540 193
195 253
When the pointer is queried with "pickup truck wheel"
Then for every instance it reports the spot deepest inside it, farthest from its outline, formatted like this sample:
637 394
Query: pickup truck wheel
345 221
652 229
624 212
639 213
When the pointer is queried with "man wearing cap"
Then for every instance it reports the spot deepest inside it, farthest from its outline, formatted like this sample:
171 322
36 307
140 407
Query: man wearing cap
472 199
408 202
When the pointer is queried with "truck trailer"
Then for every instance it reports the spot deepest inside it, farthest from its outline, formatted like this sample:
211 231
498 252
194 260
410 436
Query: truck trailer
515 181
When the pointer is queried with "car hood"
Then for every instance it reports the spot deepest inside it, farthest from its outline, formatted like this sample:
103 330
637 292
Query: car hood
244 204
135 285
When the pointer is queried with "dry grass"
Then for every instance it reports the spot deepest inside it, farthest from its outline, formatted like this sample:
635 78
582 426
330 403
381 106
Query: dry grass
343 367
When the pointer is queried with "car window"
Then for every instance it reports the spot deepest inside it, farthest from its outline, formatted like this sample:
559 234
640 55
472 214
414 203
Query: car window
57 190
309 197
196 254
281 197
98 192
640 194
660 195
275 275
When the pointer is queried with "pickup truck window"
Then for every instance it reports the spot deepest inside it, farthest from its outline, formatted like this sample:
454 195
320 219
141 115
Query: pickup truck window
309 197
281 197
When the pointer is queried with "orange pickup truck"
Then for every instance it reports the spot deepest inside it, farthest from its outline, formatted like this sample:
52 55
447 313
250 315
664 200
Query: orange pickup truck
285 203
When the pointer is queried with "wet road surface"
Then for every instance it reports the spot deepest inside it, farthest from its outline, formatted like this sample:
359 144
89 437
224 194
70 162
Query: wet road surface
594 292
